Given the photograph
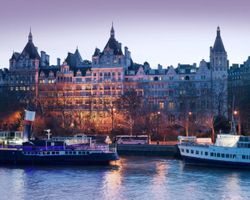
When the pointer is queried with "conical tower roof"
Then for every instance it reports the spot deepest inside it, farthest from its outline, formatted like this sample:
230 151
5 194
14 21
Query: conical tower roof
30 48
218 44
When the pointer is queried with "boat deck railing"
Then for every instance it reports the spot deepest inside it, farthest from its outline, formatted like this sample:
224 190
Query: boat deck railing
95 147
194 144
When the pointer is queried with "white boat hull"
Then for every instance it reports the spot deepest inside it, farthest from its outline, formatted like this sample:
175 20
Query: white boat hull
210 155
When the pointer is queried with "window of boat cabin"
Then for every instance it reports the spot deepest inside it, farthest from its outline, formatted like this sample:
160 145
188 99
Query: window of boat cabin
227 155
211 154
187 150
243 157
182 150
197 152
223 155
234 156
218 154
206 153
192 151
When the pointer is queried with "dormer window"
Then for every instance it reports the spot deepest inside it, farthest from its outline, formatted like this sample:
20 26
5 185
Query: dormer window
51 74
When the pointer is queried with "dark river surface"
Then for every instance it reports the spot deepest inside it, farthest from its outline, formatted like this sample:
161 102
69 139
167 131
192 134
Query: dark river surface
132 178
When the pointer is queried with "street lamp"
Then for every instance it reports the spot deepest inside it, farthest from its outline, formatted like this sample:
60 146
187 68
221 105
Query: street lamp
187 126
112 118
158 123
237 114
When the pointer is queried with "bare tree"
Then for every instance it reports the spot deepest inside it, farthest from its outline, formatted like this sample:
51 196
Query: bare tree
130 105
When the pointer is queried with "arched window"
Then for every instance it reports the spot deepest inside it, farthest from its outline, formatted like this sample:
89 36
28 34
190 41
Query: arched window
156 78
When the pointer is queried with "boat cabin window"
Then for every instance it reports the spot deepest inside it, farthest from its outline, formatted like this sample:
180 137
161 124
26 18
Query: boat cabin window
192 151
197 152
218 154
223 155
243 157
206 153
211 154
57 152
187 150
227 155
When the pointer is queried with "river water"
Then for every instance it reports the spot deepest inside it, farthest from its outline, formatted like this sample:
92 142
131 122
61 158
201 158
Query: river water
132 178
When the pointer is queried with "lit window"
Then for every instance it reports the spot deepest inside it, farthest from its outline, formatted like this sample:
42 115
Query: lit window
171 105
161 105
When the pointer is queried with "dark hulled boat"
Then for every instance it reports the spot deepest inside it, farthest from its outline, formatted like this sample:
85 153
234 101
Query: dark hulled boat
44 152
73 151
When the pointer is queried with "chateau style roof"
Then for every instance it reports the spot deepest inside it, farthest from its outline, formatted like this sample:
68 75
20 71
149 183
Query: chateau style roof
97 52
46 71
29 50
15 55
78 55
113 43
218 44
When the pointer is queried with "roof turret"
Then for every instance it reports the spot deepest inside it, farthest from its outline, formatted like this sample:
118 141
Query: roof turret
218 44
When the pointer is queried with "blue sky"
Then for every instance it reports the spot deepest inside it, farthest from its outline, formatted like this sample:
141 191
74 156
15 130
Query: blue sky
164 32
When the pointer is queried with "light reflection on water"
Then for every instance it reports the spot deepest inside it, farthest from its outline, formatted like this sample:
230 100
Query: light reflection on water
130 178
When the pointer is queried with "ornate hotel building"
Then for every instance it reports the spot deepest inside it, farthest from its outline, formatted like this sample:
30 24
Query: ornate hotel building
82 84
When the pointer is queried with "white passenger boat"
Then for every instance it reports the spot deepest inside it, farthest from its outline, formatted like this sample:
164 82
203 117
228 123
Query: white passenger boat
229 150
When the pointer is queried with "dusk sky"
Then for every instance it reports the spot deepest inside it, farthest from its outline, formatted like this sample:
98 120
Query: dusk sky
158 31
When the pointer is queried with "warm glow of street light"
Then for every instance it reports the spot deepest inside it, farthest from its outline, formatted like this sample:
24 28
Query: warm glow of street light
235 112
158 112
189 113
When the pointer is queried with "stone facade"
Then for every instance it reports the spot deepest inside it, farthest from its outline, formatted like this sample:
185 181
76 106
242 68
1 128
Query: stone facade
81 84
239 92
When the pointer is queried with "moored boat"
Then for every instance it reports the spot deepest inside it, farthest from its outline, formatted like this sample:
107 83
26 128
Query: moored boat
71 151
229 150
45 152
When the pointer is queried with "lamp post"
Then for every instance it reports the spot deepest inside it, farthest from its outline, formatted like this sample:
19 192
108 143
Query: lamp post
158 124
187 125
112 118
237 116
